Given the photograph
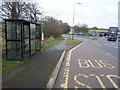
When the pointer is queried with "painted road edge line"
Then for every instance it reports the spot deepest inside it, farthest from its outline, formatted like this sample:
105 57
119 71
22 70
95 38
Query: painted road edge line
52 80
65 84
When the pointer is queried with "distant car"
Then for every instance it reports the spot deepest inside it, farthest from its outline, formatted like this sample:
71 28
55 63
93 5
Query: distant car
100 35
111 38
106 36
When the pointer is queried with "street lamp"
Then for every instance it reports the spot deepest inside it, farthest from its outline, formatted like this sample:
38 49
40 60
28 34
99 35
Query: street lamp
73 17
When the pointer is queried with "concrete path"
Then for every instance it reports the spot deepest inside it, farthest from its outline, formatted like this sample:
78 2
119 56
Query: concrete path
37 73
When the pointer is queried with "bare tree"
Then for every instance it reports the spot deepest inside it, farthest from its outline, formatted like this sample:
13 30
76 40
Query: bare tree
81 28
12 10
33 12
54 27
20 10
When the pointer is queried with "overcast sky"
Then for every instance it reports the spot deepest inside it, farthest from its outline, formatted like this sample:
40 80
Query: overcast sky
100 13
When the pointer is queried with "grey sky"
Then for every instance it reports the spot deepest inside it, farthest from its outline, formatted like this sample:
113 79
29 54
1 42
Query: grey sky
100 13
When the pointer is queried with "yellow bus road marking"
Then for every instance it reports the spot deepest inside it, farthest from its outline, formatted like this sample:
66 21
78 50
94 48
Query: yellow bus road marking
80 83
94 64
113 83
83 63
98 78
101 83
66 70
65 85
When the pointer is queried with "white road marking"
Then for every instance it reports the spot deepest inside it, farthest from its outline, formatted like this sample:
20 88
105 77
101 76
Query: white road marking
108 54
111 55
115 57
97 44
110 45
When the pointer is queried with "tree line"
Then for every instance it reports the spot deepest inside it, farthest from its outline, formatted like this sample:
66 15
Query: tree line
20 10
31 11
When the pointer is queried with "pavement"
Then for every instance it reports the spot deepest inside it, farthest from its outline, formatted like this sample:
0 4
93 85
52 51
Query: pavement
86 66
37 72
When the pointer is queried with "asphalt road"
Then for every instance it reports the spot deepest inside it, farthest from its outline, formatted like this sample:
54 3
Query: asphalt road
86 66
109 47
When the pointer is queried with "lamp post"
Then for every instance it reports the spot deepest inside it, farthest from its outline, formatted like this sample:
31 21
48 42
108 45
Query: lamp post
73 18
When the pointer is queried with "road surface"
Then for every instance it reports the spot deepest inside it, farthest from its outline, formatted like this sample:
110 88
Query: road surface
89 66
109 47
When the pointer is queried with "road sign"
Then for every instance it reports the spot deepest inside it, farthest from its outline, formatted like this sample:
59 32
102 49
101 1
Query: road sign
94 32
43 21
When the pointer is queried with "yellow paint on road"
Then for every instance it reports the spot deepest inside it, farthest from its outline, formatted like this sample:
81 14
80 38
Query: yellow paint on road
102 85
100 82
80 83
85 76
102 75
105 64
93 63
65 84
113 83
76 88
83 63
87 64
92 74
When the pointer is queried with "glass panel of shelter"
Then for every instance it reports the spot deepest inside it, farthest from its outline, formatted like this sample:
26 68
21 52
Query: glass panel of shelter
38 37
26 44
22 39
32 38
13 40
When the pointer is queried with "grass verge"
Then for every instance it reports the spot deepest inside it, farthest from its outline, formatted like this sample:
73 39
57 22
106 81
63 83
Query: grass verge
8 66
50 43
73 42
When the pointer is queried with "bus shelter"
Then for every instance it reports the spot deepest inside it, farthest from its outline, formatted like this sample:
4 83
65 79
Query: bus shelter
23 39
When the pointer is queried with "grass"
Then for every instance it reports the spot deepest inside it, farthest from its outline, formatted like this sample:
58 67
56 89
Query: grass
8 66
50 43
72 42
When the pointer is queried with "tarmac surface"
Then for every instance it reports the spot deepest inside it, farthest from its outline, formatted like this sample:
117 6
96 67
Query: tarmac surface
36 73
86 66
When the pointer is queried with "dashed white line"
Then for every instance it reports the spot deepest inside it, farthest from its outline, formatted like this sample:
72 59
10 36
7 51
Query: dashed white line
115 47
111 55
108 54
98 44
110 45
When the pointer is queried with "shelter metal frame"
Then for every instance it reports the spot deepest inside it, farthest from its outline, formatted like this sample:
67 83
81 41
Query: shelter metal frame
23 38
